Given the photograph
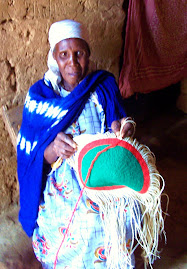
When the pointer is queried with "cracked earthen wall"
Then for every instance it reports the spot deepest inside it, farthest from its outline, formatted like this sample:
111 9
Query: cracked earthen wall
24 26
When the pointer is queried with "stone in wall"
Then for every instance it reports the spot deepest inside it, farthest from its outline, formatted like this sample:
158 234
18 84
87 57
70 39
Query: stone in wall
8 181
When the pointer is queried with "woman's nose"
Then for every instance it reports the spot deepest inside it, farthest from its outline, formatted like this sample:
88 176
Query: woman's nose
73 59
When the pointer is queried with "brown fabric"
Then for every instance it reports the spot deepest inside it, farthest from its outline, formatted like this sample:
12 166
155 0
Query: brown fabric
155 46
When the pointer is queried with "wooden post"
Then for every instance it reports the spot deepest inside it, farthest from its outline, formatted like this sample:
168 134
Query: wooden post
12 119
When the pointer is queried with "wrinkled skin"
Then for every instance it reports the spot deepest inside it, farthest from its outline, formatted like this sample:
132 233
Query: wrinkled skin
72 56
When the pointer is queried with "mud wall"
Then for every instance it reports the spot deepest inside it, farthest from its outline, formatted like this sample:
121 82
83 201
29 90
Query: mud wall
24 26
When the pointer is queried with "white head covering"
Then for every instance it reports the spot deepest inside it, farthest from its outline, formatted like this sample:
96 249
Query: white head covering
59 31
65 29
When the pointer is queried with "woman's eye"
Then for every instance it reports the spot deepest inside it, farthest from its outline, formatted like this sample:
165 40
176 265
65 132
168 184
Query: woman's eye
80 53
63 54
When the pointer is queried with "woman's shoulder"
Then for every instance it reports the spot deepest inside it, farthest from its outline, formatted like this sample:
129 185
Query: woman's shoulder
39 84
42 88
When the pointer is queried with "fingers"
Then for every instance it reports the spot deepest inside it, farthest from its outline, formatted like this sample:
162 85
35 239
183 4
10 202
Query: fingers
64 146
122 128
116 126
126 130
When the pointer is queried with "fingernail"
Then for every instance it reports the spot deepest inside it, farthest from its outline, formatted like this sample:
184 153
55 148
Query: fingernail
117 134
74 145
76 148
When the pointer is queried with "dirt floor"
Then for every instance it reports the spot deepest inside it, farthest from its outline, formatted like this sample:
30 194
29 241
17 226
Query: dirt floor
165 134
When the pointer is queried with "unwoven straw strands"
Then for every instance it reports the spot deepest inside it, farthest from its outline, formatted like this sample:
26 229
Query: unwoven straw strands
146 215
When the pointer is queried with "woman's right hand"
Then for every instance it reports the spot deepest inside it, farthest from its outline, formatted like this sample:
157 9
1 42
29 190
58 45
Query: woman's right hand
63 146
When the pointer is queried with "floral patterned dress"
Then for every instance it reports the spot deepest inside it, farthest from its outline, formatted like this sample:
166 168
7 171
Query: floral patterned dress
84 241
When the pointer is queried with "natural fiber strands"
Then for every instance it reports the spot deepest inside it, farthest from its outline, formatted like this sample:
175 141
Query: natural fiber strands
117 174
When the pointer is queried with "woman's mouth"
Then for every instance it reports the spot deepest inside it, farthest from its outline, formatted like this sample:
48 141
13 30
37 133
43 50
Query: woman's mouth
74 74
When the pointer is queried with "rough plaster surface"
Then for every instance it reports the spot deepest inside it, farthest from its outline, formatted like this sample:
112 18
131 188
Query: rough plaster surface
8 180
24 26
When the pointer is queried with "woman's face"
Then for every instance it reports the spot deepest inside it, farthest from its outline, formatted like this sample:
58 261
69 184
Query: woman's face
72 56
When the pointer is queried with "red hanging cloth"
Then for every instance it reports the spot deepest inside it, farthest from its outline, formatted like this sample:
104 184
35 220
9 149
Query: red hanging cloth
155 46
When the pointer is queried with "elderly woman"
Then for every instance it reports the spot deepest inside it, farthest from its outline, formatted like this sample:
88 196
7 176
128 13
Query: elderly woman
67 102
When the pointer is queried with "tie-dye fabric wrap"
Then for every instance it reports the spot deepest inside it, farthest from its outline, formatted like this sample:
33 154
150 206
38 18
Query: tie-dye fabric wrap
45 114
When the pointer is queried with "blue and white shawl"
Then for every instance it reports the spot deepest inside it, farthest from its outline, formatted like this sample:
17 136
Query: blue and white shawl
46 114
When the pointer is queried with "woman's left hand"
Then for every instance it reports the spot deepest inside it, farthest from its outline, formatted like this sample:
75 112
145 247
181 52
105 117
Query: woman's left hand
122 130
